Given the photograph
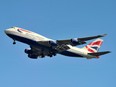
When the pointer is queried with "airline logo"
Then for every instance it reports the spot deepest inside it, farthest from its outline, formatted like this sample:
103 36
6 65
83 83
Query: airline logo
94 46
98 43
22 30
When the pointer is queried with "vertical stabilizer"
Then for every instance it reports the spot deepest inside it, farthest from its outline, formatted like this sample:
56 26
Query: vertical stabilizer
94 46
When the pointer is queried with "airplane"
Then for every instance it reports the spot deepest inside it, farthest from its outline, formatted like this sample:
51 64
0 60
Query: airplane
41 46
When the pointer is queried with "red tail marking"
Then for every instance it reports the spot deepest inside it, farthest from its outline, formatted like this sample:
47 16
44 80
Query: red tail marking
90 50
23 30
97 43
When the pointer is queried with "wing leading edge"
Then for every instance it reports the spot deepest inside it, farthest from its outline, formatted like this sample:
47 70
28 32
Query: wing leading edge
78 41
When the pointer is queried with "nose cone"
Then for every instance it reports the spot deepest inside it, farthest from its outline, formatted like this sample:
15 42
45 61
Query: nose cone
9 32
6 31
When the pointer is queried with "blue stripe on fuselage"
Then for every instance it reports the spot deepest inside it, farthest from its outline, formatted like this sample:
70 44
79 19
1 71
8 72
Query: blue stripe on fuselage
68 53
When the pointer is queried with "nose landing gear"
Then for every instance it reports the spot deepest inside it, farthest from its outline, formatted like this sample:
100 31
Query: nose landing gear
14 42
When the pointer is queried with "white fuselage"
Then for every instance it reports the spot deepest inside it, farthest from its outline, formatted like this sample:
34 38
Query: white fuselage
30 37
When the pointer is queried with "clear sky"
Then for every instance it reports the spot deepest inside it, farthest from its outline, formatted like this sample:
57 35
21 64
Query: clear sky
58 19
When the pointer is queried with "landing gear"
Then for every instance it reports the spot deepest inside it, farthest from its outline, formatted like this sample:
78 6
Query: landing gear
14 42
51 54
42 55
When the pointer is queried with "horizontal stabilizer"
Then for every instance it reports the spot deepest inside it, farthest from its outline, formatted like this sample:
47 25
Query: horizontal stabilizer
99 53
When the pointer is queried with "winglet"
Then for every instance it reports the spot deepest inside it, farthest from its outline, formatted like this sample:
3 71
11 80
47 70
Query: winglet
103 35
91 37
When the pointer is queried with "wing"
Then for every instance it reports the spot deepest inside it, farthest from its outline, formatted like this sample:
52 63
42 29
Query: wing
78 41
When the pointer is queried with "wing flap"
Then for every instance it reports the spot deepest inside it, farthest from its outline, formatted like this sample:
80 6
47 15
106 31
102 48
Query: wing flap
61 48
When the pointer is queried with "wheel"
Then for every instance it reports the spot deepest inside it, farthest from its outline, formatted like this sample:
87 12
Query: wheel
50 55
14 42
42 56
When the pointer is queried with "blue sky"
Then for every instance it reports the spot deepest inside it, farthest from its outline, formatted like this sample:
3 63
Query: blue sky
58 19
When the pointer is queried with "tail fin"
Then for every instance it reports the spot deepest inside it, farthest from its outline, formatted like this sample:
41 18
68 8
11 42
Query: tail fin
94 46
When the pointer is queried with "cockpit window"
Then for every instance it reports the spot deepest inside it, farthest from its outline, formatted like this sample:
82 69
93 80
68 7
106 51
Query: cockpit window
12 27
19 30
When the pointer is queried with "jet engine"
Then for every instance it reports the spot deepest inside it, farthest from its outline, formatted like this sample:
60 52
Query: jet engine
74 41
32 56
52 43
28 51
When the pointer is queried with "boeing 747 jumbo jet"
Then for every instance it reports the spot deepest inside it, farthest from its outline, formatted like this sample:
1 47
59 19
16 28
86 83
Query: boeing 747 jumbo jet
41 46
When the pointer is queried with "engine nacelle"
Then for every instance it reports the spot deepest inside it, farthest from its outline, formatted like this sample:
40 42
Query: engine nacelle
32 56
28 51
74 41
53 43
